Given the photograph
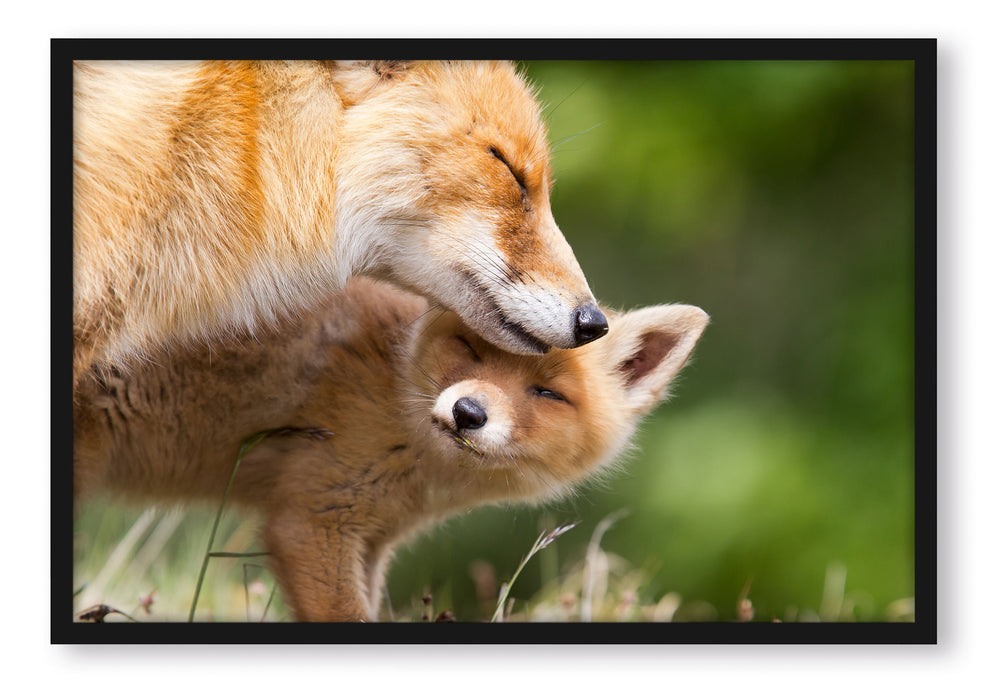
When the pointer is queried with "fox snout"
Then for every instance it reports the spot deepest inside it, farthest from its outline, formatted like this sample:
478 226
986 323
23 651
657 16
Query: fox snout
462 407
546 325
539 297
468 414
474 414
589 324
527 319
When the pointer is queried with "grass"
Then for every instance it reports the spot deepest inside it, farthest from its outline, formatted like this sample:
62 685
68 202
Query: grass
542 542
246 446
144 565
140 572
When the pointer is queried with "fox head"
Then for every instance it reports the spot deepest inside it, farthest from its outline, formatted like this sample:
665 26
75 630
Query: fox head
543 422
445 167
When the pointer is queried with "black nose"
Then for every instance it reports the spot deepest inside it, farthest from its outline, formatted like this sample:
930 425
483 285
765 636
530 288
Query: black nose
468 414
589 324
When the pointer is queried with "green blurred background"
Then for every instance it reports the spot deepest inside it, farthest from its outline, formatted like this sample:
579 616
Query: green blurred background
779 197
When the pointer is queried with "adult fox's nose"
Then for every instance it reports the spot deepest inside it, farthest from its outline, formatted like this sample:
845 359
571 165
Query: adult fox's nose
589 324
468 414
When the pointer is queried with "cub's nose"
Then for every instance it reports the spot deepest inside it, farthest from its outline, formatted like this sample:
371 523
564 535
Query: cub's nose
469 414
589 324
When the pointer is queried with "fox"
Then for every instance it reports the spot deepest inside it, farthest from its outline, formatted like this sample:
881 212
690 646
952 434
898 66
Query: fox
384 416
213 197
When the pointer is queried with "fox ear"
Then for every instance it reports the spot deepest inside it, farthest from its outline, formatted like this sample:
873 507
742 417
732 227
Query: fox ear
355 81
649 346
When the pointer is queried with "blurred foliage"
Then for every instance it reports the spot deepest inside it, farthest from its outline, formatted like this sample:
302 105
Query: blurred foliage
778 196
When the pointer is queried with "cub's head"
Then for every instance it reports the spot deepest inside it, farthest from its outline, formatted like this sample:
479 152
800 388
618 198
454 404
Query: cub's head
542 423
443 187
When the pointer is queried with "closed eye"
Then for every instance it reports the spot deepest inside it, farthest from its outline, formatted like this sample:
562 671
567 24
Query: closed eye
498 155
470 348
545 393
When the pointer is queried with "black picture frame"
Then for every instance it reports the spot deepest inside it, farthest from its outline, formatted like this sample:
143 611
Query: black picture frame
920 51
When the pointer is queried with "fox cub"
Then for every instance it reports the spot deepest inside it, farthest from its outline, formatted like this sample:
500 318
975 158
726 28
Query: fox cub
211 198
426 419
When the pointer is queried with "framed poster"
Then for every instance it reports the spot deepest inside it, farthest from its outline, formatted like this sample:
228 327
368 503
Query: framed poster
568 206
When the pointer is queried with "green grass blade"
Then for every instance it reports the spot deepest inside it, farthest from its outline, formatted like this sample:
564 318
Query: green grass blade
542 542
246 447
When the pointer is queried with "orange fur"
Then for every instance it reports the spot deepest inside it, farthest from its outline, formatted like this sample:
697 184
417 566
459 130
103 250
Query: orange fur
386 379
213 198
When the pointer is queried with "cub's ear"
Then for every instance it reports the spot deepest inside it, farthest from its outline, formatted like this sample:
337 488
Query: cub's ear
355 81
649 346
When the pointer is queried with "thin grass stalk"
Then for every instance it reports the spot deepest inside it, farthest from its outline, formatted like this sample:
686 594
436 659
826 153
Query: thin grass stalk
247 598
591 558
148 554
101 584
542 542
247 593
269 603
246 446
504 593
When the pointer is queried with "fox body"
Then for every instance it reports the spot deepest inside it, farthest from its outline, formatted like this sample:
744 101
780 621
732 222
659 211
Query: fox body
211 197
426 419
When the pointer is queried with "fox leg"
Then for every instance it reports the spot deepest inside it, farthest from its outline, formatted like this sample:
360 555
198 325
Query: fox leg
319 560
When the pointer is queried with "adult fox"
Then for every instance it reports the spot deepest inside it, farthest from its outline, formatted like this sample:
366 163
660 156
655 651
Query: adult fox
427 420
212 197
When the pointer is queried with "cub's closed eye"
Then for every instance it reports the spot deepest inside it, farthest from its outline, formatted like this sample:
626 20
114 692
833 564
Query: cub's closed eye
470 348
545 393
498 156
